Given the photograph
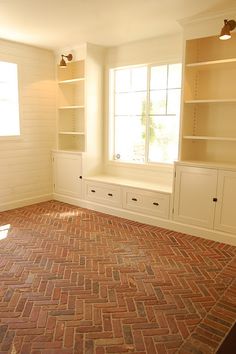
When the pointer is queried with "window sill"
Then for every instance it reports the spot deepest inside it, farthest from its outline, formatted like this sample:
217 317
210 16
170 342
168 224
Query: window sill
168 167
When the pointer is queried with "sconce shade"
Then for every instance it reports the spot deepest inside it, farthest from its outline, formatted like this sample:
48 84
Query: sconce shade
228 26
62 62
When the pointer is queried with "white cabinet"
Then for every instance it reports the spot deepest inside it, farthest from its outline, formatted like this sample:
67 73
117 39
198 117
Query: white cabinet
140 200
103 193
67 168
225 219
205 197
146 202
195 189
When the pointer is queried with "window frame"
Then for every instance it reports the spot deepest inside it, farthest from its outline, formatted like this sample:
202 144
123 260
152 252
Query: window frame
111 117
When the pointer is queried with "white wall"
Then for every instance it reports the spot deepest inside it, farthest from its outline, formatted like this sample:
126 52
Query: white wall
154 50
25 161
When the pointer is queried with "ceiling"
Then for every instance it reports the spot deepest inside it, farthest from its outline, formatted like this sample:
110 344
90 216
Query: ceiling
57 24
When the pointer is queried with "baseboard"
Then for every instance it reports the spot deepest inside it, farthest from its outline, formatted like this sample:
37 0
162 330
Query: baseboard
150 220
24 202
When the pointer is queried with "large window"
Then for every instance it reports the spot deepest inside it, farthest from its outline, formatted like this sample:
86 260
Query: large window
9 103
144 113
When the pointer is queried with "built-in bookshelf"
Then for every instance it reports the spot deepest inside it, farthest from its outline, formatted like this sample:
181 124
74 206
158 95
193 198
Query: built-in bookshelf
71 107
209 101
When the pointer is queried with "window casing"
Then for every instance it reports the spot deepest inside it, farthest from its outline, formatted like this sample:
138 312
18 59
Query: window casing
144 113
9 100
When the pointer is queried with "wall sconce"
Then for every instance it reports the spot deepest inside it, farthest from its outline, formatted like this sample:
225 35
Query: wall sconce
62 62
228 26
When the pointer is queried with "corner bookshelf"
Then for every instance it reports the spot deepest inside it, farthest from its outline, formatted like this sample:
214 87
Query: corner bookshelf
209 101
71 107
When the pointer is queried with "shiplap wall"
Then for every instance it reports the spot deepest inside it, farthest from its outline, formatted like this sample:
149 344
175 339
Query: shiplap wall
25 161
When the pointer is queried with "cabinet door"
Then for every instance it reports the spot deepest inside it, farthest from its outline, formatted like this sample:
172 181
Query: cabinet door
68 174
225 218
195 189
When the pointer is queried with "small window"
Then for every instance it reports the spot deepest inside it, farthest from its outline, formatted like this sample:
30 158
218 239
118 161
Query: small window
9 100
144 113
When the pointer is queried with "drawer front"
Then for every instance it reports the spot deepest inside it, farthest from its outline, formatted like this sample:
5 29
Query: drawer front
145 202
103 193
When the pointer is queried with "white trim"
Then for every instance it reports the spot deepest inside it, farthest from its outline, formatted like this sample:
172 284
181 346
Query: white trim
24 202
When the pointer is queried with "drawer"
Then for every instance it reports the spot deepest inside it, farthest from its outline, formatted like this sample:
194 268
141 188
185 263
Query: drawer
147 202
103 193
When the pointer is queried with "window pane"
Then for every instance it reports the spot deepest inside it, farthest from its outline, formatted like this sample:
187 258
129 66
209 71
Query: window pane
158 102
122 80
158 77
123 102
173 103
130 103
138 105
139 79
174 75
129 139
163 142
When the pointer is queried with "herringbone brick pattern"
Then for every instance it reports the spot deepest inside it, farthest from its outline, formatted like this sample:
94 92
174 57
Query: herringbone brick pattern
82 282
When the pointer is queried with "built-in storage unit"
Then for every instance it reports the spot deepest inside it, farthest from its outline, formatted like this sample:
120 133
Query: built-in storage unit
136 196
71 106
79 124
209 102
205 197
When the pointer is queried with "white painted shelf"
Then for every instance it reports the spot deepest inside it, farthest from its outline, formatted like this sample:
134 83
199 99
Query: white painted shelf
71 107
214 64
215 138
71 81
72 133
223 100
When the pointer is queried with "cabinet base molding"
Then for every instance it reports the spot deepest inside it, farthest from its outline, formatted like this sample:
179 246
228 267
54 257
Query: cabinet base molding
150 220
24 202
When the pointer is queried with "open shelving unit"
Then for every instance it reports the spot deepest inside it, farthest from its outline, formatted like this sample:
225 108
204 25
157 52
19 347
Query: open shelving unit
71 107
209 101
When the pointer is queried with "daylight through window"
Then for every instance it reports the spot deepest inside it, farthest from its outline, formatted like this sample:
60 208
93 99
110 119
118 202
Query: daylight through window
9 102
144 113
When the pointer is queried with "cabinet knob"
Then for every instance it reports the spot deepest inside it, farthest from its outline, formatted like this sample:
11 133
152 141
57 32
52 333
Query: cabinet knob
80 177
214 199
134 199
110 194
93 191
155 203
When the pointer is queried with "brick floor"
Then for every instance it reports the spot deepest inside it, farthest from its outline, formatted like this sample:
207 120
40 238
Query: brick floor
77 281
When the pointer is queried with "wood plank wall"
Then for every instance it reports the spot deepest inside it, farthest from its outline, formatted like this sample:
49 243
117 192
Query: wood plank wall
25 161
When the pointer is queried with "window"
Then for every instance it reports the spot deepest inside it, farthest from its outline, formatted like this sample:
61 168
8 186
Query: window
144 113
9 103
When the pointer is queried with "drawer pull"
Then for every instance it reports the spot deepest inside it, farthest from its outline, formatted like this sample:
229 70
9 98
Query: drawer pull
93 191
134 199
110 194
155 203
